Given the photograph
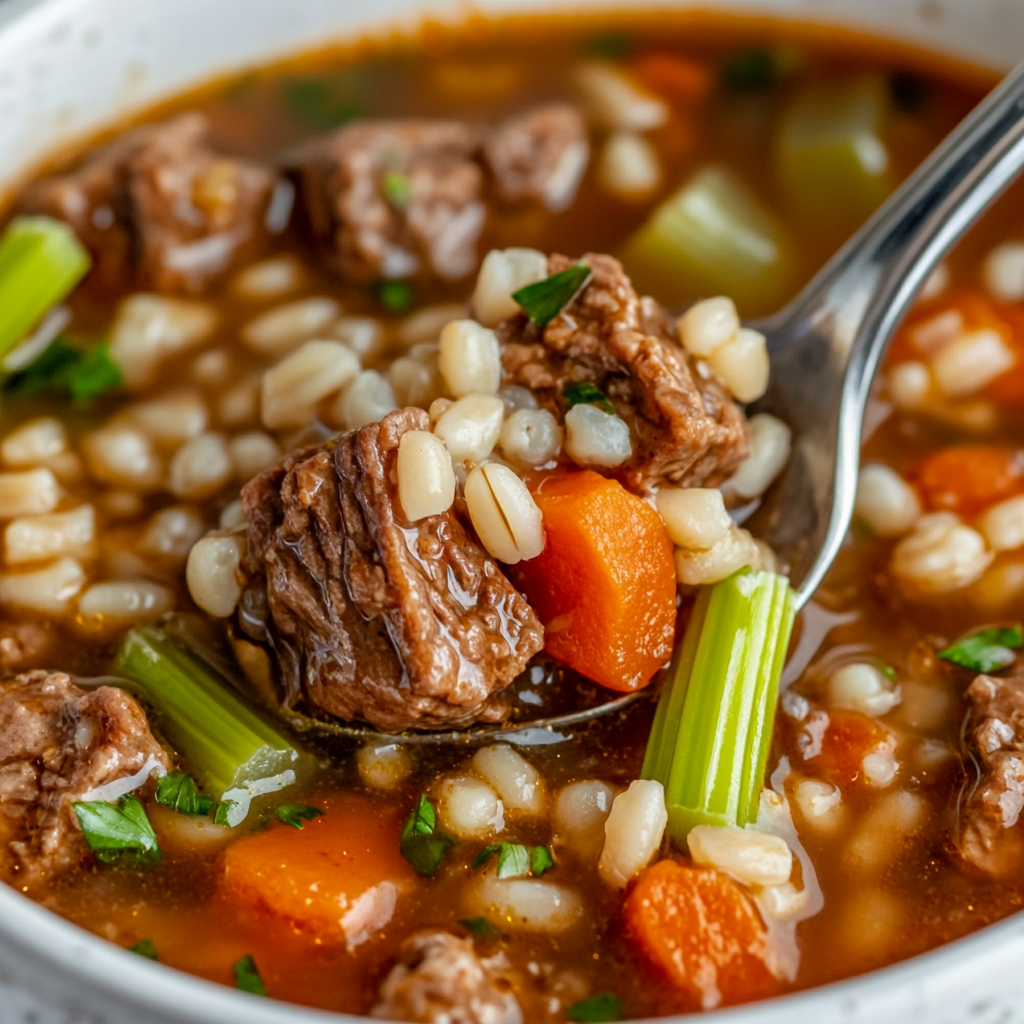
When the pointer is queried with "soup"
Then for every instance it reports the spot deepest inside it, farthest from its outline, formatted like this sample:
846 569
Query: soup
385 625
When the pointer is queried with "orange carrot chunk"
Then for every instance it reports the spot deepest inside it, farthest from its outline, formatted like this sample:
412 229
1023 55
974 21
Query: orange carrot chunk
336 879
675 77
700 929
968 478
605 584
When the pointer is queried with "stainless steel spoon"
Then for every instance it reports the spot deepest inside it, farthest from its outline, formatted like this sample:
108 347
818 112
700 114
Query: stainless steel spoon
826 345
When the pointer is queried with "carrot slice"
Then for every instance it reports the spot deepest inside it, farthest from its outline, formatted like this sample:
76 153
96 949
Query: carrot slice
968 478
701 930
605 584
834 744
336 879
675 77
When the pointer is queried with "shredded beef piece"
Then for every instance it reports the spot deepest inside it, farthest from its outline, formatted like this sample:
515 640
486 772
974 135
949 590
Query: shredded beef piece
686 428
540 155
393 199
158 207
58 743
403 625
439 979
987 837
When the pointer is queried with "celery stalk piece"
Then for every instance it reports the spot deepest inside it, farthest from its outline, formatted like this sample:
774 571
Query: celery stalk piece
712 731
41 261
830 153
712 236
234 754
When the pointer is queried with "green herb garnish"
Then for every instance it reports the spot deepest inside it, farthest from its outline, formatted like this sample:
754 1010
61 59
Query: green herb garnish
397 190
62 368
294 814
179 791
247 977
223 815
585 392
598 1009
611 46
396 296
144 948
541 861
118 832
760 67
421 844
544 300
480 928
513 859
321 103
988 650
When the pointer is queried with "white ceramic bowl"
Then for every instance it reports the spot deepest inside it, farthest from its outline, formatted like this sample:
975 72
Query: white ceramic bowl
70 66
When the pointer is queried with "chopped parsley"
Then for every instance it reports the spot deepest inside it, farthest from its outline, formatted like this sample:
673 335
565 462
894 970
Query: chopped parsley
294 814
247 977
397 190
396 296
585 392
541 860
759 68
544 300
321 102
516 860
63 368
610 46
480 928
597 1009
421 844
179 791
118 832
221 815
887 670
144 948
988 650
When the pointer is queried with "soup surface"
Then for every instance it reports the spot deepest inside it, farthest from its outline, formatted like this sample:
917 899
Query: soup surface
332 476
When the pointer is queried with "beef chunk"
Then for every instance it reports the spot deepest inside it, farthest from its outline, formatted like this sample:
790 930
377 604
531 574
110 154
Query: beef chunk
539 155
987 838
58 744
686 428
160 208
399 624
439 979
393 199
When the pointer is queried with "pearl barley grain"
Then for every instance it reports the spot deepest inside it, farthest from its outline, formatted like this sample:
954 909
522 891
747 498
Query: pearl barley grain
426 479
708 325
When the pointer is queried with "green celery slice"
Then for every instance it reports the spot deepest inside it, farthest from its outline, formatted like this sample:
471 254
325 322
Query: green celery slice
712 731
228 747
830 152
41 261
712 236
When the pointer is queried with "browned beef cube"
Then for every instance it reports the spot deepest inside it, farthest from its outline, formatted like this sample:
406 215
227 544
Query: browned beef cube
686 428
540 155
58 745
393 199
989 836
375 618
159 208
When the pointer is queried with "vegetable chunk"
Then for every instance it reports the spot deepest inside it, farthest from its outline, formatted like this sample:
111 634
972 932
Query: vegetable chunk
604 585
967 478
700 928
336 879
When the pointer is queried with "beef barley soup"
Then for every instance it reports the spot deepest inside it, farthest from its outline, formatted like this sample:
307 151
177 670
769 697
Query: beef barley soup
370 420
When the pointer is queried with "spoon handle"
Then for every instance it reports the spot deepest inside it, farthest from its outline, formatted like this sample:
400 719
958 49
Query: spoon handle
826 345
